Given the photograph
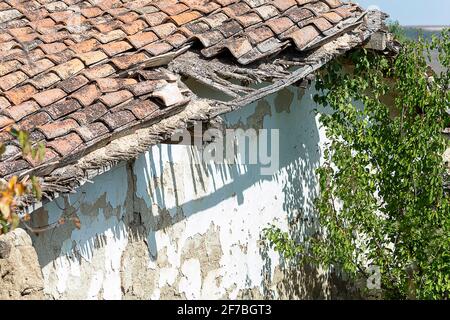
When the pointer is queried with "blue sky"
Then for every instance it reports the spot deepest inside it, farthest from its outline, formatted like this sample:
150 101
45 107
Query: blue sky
414 12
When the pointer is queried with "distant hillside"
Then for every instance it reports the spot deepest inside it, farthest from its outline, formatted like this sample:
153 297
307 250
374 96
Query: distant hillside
425 32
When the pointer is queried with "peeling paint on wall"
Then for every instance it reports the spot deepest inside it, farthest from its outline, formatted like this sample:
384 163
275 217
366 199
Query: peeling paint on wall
164 227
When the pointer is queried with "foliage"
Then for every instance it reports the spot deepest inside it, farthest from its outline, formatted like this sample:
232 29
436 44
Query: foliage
14 189
383 201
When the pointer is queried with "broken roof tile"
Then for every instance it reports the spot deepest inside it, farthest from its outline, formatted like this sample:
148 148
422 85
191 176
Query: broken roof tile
72 82
146 87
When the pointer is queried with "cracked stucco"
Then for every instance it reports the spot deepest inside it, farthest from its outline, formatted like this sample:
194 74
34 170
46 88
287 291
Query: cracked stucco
165 228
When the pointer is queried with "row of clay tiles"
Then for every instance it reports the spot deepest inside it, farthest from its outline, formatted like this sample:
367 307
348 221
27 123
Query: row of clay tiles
61 85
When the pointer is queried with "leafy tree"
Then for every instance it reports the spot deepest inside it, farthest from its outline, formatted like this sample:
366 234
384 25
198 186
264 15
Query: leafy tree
13 190
383 202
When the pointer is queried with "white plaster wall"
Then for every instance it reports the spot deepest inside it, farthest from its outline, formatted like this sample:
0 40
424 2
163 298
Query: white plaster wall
164 227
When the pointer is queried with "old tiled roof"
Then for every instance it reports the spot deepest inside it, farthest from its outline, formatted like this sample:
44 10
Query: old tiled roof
76 74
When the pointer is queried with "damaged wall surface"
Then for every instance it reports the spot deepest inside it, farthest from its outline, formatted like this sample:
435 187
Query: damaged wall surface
165 226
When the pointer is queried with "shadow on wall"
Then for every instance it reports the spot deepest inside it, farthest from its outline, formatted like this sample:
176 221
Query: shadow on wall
134 201
291 111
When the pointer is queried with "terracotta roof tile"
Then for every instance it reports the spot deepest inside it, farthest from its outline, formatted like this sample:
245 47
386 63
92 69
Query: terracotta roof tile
165 30
58 128
67 144
76 85
92 57
114 98
118 119
5 121
114 84
248 20
44 98
22 110
116 47
9 167
159 48
176 40
4 103
283 5
145 87
73 83
21 94
69 68
124 62
49 156
44 81
304 36
154 19
89 114
100 71
141 39
186 17
92 131
134 27
32 121
87 95
62 108
142 109
260 34
11 80
279 25
230 28
8 66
